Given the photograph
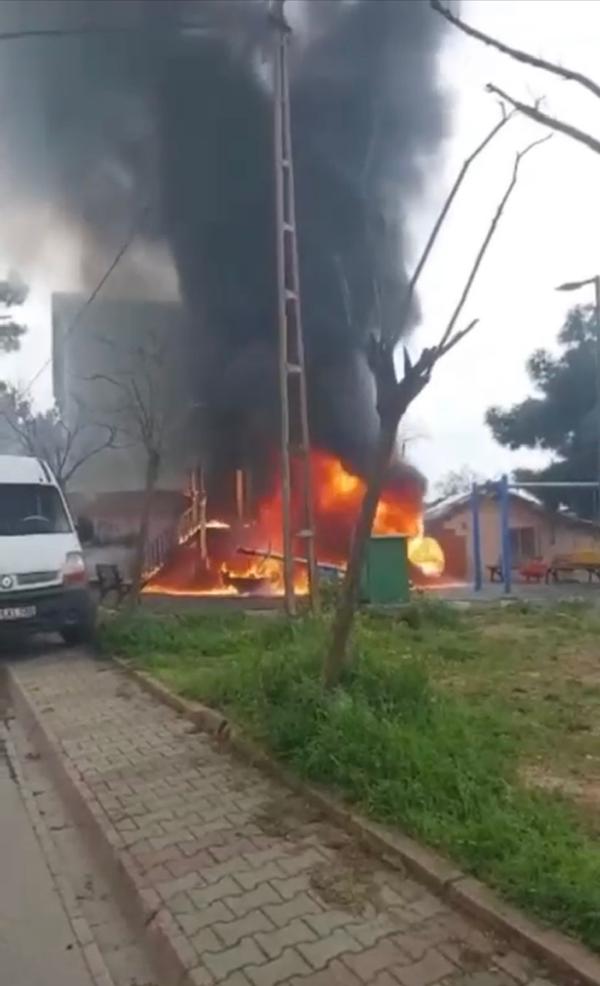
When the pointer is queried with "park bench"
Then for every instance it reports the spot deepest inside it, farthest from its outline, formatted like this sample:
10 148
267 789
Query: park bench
534 570
495 572
109 580
576 561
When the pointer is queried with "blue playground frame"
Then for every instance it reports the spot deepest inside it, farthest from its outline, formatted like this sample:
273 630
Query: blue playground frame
502 487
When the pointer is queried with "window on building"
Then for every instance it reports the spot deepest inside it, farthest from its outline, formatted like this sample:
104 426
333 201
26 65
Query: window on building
522 543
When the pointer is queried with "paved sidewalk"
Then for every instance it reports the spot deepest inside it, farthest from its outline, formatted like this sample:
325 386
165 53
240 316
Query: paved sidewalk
94 912
38 945
252 886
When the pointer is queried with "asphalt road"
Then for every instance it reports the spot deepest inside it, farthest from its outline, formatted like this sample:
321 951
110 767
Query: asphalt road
37 945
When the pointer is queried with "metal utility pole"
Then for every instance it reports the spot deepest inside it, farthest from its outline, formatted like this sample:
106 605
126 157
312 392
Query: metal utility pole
295 439
574 286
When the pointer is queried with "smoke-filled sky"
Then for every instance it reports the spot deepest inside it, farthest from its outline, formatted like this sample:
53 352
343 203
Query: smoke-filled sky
549 235
170 113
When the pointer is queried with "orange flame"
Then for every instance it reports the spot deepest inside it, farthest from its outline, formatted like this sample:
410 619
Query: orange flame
338 495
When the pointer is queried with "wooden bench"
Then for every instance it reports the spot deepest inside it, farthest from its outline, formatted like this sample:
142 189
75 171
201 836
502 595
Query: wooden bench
536 569
109 580
576 561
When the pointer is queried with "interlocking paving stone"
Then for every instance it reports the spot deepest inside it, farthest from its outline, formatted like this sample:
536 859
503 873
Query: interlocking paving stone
254 888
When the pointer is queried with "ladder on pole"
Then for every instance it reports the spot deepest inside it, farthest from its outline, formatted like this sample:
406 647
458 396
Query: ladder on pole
295 438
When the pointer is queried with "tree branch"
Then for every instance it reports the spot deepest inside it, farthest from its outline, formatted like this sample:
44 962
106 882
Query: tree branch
457 338
394 397
107 379
534 113
505 118
138 408
86 456
516 53
380 352
446 337
62 459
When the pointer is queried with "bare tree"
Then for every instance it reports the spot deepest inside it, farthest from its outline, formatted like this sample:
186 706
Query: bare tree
532 110
394 396
45 435
146 419
457 481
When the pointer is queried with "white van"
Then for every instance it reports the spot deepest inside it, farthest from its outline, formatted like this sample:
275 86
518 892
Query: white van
43 579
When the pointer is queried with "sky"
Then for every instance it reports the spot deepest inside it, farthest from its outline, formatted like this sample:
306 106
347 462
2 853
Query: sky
548 235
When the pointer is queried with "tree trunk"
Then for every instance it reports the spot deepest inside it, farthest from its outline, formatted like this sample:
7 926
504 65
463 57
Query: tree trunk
342 625
152 467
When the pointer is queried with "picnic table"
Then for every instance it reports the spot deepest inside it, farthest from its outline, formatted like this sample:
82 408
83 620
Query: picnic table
576 561
534 570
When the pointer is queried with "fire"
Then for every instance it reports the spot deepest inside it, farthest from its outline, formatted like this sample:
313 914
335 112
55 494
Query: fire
426 554
336 484
232 568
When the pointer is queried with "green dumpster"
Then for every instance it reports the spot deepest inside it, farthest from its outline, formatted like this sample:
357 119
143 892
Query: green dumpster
385 570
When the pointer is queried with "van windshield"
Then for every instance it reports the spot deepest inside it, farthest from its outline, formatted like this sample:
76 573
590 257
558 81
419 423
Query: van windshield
31 509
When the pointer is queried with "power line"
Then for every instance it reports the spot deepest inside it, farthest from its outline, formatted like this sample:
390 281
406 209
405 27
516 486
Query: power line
67 32
117 259
59 32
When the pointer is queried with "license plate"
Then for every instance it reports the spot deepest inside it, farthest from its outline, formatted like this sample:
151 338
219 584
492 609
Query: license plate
17 613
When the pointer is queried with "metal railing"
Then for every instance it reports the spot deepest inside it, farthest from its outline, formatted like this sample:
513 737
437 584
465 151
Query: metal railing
158 551
160 548
187 525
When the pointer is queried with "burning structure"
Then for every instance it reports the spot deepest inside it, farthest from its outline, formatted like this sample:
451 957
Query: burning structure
244 556
157 117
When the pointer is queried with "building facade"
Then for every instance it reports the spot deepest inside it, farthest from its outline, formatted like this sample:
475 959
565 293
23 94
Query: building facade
534 531
113 338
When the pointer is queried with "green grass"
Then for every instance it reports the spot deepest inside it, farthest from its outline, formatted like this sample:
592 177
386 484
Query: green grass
426 732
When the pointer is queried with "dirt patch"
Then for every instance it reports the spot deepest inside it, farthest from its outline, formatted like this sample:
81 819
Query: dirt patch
507 631
591 680
579 662
286 818
471 959
346 882
586 792
124 690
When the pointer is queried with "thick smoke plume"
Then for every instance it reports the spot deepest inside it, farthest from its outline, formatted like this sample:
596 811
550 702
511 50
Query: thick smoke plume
161 116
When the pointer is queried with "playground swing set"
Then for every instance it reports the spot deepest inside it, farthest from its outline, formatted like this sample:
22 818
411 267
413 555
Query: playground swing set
586 560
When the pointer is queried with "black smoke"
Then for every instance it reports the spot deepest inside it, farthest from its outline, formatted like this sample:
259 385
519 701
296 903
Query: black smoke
164 109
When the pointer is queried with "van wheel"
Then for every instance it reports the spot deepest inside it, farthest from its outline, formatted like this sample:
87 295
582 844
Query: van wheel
77 634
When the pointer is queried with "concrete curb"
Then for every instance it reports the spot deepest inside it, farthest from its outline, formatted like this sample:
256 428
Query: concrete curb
562 956
82 932
168 948
207 720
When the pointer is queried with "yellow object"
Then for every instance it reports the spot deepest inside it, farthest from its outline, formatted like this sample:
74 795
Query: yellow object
426 554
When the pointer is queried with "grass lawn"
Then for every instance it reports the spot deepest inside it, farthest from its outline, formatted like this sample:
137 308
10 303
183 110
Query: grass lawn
476 731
